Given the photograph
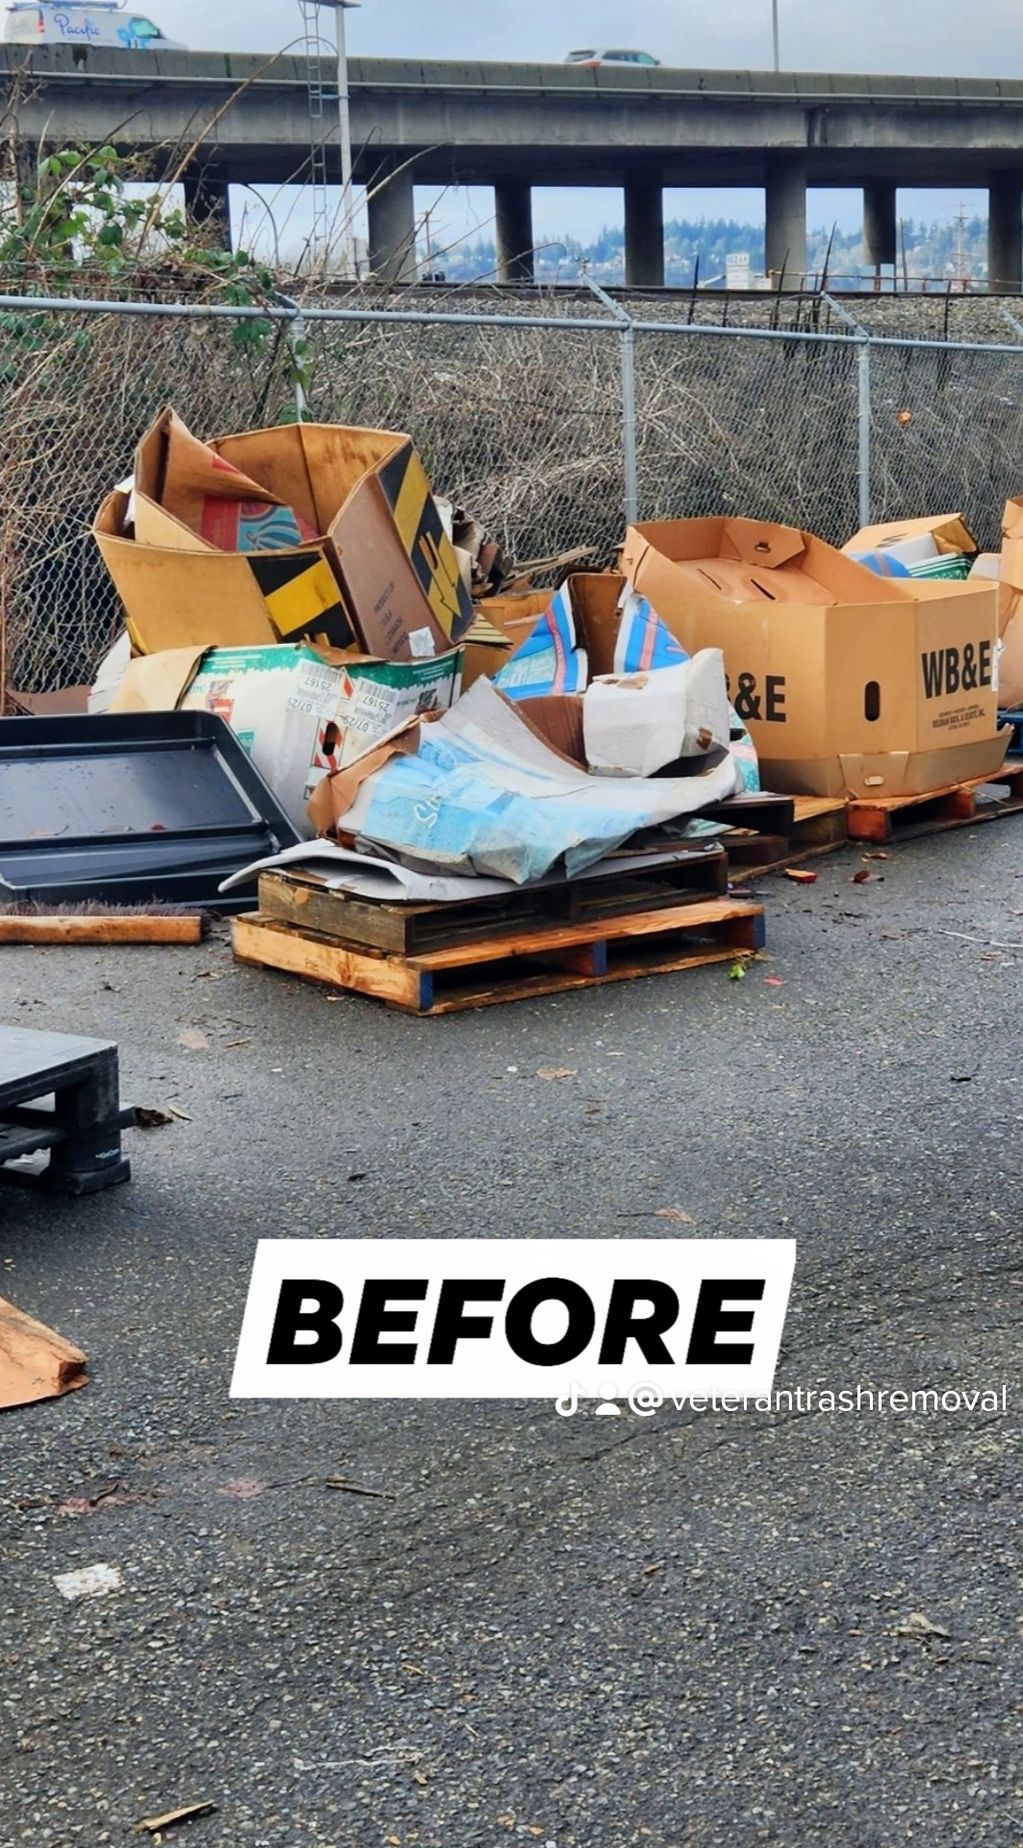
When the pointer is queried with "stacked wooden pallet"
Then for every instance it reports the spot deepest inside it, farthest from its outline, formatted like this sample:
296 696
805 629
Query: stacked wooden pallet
437 959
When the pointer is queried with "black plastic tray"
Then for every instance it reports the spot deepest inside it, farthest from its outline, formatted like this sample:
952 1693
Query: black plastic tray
131 807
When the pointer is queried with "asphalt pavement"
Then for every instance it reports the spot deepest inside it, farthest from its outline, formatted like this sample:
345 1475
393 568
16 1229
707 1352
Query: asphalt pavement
685 1631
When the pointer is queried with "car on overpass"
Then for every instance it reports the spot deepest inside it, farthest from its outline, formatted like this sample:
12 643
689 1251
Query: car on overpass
100 22
592 60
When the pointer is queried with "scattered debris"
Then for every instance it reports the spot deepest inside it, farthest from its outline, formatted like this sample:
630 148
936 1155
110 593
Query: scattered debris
800 875
357 1488
151 1119
187 1813
919 1627
88 1582
557 1071
193 1040
35 1363
77 1505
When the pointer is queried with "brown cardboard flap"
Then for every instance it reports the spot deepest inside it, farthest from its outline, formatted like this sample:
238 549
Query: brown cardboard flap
312 467
595 597
557 718
178 472
761 543
156 682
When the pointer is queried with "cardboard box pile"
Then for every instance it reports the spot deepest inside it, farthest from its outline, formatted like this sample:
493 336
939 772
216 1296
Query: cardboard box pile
302 530
304 583
299 581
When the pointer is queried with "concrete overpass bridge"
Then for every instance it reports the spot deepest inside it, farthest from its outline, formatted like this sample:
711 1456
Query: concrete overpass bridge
516 126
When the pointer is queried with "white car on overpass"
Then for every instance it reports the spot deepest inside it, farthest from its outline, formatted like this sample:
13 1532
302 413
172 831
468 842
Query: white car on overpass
590 60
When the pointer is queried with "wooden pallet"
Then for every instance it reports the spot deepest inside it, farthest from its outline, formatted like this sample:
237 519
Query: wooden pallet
513 965
818 825
982 798
301 898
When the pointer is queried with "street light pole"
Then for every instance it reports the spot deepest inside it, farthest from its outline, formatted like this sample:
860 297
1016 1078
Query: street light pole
777 43
344 117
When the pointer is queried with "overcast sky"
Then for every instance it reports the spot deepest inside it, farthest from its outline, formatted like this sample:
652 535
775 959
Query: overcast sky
903 36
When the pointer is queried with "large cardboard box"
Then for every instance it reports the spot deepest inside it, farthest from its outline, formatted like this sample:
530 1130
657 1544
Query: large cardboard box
300 712
848 682
182 597
380 567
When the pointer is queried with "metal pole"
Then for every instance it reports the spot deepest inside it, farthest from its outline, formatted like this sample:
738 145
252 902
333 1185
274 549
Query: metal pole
863 422
629 459
777 41
345 125
630 466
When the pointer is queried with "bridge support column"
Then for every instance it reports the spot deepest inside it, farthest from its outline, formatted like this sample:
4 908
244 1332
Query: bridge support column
644 234
391 211
785 203
1005 233
513 206
880 223
207 205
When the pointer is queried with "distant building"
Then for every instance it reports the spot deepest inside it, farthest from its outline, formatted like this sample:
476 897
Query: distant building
739 273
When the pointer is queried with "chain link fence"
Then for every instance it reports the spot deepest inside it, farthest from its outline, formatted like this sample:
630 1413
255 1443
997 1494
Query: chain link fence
554 429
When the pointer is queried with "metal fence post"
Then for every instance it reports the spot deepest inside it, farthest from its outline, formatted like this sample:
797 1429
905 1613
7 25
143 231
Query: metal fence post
862 405
863 428
629 456
627 350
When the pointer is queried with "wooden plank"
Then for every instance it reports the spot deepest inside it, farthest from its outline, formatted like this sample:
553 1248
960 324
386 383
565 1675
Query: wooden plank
689 918
278 946
31 927
35 1363
877 821
641 960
